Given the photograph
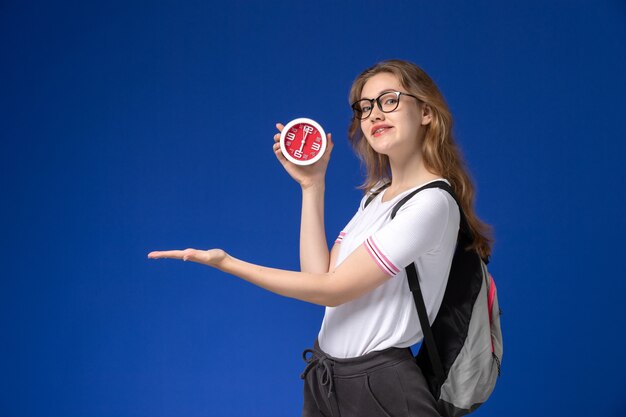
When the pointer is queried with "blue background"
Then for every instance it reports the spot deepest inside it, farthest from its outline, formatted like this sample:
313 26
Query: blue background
135 126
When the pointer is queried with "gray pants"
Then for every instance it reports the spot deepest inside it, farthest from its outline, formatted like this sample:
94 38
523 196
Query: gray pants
380 384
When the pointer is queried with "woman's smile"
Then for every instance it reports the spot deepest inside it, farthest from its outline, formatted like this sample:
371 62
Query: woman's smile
379 129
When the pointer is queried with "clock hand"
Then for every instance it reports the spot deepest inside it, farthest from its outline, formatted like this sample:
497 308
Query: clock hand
303 140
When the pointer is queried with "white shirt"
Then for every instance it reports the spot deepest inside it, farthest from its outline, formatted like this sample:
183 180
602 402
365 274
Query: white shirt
423 231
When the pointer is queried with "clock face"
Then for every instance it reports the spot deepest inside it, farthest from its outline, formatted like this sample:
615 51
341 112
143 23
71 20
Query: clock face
303 141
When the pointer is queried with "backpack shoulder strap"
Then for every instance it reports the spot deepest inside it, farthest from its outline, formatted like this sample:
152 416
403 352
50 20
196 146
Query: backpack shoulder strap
435 184
464 228
374 193
413 280
429 339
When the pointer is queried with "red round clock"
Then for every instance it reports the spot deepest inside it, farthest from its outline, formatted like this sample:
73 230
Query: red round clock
303 141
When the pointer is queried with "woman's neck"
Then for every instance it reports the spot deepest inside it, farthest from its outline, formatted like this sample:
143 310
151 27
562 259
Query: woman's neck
407 173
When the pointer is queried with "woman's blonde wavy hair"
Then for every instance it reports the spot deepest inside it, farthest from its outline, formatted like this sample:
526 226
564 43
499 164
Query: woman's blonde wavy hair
439 150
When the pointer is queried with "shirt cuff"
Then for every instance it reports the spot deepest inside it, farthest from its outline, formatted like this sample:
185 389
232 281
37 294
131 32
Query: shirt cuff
379 257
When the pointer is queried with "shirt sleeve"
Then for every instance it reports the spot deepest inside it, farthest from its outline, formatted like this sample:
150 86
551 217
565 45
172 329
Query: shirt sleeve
417 229
350 224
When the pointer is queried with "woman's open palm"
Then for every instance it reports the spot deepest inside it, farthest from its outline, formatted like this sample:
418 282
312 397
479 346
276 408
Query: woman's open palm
211 257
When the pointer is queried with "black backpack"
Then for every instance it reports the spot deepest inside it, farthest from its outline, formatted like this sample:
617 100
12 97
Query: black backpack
461 352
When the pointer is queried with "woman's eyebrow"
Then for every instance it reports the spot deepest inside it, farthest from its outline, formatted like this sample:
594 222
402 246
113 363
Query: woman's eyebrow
386 90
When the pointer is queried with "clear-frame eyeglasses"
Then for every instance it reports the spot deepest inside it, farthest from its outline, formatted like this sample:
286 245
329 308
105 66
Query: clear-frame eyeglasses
387 102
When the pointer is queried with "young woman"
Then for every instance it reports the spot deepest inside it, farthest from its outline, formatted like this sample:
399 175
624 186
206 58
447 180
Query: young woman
361 364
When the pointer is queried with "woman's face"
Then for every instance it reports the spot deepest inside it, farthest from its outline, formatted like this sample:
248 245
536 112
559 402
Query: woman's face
400 131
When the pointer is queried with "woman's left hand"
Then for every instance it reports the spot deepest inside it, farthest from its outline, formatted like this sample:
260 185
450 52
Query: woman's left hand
211 257
308 175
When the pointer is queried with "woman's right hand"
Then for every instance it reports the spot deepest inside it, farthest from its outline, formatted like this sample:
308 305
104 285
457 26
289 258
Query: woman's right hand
212 257
307 175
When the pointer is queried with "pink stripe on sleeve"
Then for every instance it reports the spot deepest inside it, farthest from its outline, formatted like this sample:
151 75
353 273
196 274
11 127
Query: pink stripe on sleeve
376 258
340 237
379 258
386 260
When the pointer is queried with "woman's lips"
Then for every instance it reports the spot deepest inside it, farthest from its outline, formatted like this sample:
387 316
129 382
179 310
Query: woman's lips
379 130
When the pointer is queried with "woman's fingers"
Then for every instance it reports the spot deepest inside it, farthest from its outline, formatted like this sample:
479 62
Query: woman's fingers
209 257
279 155
276 148
173 254
280 127
185 255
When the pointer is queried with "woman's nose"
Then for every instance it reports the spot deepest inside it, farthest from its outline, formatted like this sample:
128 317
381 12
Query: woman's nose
376 114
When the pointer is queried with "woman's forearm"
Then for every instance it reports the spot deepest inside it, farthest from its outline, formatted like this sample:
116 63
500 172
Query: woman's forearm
310 287
314 254
356 275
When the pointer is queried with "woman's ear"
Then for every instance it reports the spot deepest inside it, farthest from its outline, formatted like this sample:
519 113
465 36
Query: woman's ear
427 114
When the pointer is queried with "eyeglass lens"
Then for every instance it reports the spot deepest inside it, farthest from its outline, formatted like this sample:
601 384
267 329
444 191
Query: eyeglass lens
387 102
